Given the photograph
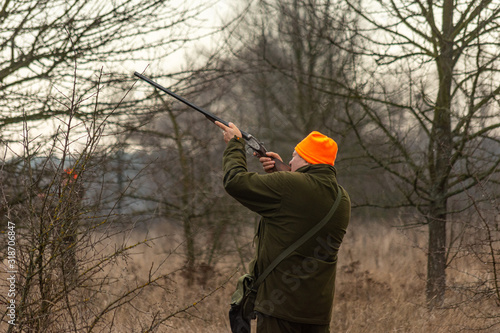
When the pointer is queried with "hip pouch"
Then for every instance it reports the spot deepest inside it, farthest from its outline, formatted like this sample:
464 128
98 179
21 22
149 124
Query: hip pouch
242 304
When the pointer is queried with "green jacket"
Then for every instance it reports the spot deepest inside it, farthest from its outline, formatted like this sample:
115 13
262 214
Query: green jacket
301 288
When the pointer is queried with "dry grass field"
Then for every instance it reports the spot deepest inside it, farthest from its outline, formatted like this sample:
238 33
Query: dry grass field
380 288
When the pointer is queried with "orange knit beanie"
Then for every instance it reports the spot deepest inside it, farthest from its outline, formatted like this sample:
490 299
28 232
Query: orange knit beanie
317 148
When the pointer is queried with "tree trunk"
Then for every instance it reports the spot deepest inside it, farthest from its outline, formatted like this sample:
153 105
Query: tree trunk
436 257
440 150
185 198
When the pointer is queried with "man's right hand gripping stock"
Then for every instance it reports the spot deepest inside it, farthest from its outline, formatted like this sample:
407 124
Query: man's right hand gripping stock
267 162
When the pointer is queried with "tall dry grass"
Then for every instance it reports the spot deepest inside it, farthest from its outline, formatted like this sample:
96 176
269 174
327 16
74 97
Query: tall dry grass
380 288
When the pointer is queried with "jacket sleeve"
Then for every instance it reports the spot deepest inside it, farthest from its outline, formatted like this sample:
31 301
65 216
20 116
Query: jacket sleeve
260 193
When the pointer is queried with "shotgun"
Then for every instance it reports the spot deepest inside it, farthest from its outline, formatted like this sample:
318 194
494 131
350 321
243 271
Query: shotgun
252 142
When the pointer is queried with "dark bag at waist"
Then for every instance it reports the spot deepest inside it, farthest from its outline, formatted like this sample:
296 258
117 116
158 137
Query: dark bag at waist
242 305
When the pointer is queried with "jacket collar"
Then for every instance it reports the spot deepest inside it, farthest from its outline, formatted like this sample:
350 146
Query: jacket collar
317 168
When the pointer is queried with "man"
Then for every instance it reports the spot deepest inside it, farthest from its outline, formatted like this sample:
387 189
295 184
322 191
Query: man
297 296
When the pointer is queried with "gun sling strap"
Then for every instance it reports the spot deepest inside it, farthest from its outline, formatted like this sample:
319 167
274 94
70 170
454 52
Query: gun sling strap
301 240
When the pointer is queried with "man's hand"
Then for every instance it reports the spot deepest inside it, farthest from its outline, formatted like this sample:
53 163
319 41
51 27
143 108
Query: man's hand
267 162
229 132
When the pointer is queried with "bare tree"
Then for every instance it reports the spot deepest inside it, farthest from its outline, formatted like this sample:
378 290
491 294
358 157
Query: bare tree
429 90
50 47
479 247
49 55
288 67
418 82
185 150
41 41
65 270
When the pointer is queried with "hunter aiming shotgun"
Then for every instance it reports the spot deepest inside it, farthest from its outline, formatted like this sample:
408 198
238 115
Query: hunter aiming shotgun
252 142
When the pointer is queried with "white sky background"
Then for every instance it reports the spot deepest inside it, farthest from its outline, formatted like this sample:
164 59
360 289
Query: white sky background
202 30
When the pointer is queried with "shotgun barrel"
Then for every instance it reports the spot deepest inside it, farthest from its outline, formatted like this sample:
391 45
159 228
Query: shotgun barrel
252 142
